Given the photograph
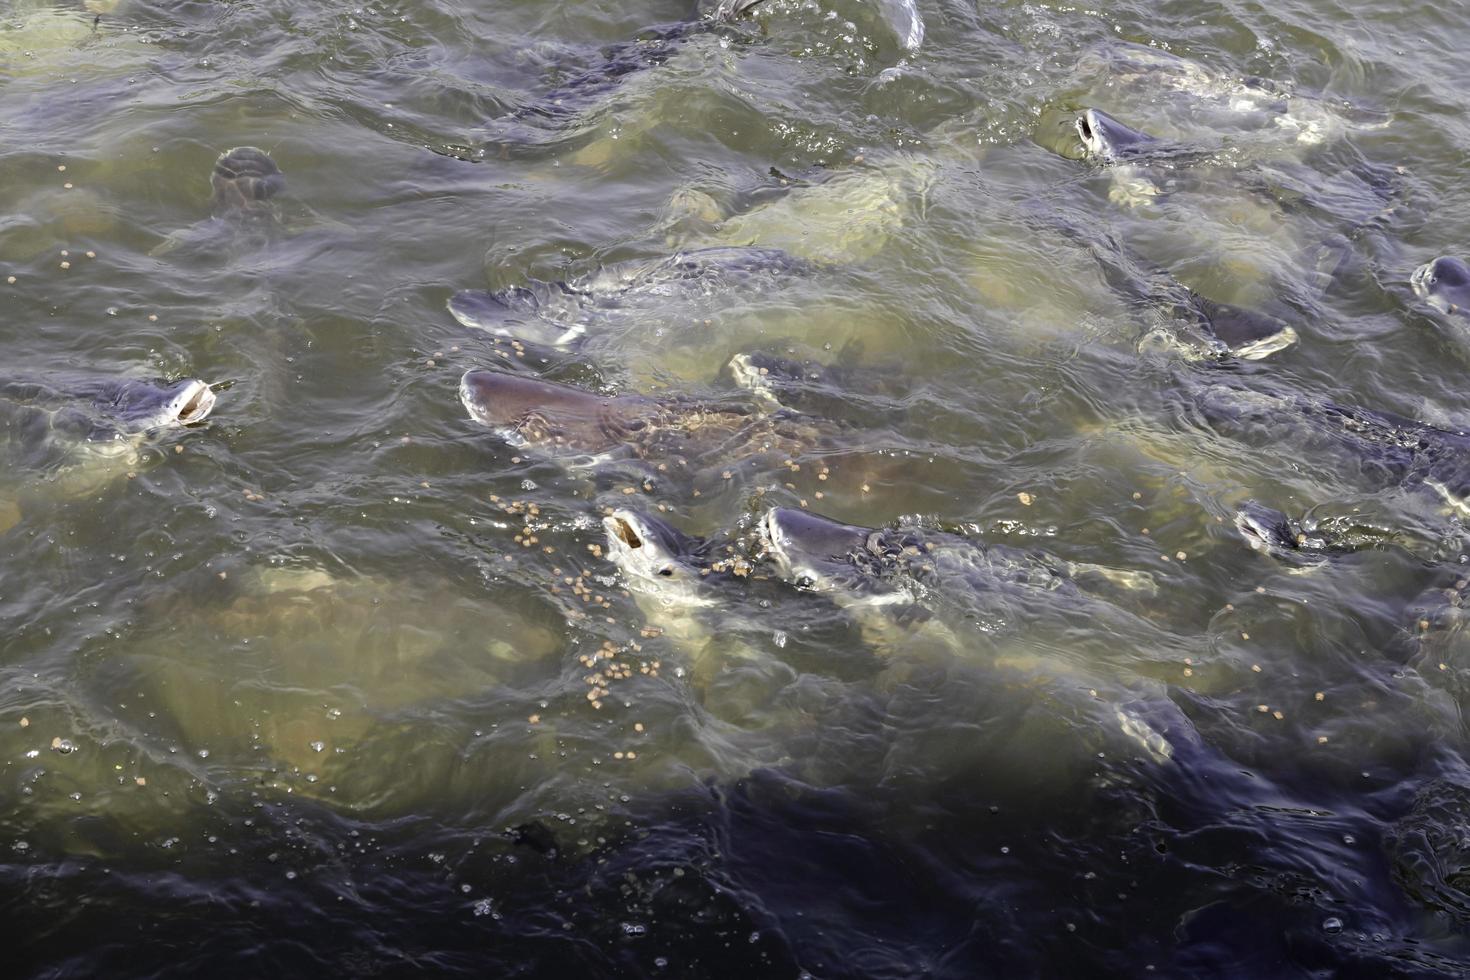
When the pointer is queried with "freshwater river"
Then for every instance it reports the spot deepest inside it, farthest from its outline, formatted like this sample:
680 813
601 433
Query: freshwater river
341 682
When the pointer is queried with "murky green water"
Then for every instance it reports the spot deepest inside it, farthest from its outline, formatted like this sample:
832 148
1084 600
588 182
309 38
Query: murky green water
341 681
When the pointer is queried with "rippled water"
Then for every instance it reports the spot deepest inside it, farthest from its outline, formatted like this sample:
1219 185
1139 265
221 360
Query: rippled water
342 681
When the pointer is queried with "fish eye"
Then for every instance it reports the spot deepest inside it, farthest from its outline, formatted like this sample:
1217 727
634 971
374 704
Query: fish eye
666 570
805 582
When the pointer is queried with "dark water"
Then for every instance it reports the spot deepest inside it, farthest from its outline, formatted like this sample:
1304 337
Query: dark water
293 692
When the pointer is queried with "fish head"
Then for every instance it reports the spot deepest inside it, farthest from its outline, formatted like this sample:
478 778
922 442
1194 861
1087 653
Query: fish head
507 403
141 406
1263 528
655 557
811 551
1107 140
1272 533
1444 283
244 180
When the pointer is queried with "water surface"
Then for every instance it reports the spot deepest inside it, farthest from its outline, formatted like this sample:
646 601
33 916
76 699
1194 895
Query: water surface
295 691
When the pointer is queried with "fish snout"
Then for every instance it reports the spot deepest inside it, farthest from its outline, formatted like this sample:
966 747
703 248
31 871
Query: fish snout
480 393
1089 131
1421 279
192 404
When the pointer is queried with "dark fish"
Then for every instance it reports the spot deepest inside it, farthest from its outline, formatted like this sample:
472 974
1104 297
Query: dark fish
1273 533
559 314
912 572
529 411
244 180
821 554
245 215
1233 331
563 420
1387 449
1107 140
555 114
1217 330
536 836
1444 283
107 409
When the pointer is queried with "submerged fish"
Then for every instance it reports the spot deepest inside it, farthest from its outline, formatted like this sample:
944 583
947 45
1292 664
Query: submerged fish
677 287
688 435
1135 76
905 569
565 109
1222 329
71 439
1444 283
244 183
1387 449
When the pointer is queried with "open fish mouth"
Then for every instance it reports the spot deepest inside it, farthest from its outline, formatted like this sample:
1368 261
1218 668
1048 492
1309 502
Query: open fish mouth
623 530
1443 282
1107 140
192 404
634 546
1087 132
777 542
1092 129
1420 279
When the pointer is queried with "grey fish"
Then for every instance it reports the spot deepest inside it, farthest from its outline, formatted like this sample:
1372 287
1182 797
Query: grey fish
1309 541
1386 449
1107 140
243 183
563 314
106 412
74 437
785 382
565 421
552 116
663 563
1271 532
1444 283
904 569
823 555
